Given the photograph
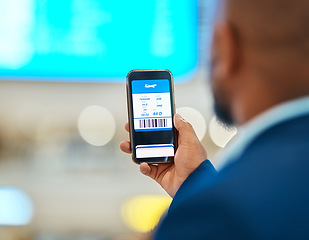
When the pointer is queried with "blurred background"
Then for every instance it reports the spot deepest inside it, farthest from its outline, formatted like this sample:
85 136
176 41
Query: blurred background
63 65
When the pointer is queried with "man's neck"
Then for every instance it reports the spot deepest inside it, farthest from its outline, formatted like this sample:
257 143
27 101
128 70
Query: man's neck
253 103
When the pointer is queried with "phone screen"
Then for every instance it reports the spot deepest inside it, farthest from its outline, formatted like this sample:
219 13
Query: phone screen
153 134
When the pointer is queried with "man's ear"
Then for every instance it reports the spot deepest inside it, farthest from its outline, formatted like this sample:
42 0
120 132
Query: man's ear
225 52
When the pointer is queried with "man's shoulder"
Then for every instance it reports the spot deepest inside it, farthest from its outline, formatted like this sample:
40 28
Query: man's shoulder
261 192
281 151
271 172
293 132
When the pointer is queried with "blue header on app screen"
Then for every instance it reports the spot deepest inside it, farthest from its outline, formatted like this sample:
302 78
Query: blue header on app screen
150 86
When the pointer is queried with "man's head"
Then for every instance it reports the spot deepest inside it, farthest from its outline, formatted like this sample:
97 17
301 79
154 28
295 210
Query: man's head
260 56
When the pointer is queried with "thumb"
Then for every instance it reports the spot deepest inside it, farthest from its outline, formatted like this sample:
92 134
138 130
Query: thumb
184 128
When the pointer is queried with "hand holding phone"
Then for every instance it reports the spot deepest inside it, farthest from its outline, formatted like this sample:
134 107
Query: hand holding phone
151 109
190 154
156 138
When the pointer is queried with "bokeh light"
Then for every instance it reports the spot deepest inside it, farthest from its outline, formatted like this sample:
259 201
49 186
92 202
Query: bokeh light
195 118
219 134
143 213
96 125
15 207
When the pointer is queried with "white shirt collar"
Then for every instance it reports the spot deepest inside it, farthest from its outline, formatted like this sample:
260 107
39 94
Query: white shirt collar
251 130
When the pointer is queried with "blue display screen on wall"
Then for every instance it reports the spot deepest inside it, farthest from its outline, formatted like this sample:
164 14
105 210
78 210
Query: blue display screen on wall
96 40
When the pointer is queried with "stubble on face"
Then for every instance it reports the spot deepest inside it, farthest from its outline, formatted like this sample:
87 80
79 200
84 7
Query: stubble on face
223 113
221 106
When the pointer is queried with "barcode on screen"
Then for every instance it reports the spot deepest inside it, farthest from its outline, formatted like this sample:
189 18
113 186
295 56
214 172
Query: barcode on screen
153 123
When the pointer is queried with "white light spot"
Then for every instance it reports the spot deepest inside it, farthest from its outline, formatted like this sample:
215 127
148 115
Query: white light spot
219 134
96 125
196 119
15 207
16 23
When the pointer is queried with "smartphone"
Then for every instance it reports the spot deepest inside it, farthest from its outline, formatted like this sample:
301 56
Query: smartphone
151 108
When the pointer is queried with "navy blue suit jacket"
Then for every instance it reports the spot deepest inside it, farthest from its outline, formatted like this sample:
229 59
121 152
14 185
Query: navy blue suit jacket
264 194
